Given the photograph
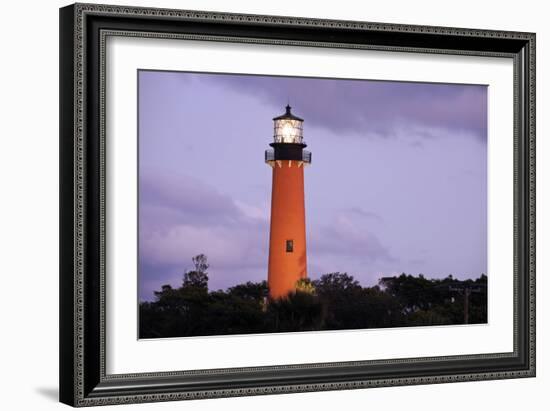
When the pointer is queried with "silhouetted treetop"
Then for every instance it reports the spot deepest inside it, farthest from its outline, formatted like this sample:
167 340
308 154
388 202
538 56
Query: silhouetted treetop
198 277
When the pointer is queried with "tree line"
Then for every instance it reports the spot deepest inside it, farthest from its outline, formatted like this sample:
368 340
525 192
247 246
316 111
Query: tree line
335 301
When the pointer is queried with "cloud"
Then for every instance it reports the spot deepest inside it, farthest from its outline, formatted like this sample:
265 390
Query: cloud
184 198
226 247
254 212
181 217
345 238
358 211
369 107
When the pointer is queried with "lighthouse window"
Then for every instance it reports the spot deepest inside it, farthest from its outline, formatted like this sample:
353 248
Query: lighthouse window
289 246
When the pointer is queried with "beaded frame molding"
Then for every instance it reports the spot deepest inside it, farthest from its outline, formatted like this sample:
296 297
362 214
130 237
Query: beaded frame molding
83 32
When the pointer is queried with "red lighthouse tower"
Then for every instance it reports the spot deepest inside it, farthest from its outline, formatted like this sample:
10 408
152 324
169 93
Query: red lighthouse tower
287 239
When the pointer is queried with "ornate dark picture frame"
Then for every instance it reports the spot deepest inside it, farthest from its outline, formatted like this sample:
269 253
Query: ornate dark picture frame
83 30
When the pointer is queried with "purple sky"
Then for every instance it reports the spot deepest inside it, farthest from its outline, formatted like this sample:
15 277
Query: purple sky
398 181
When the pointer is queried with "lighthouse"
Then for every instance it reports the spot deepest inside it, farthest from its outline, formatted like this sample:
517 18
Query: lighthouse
287 237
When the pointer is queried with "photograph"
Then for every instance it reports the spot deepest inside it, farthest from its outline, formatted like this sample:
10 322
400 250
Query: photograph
270 204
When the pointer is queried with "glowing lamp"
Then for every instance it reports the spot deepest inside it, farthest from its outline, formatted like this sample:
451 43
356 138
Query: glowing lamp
288 128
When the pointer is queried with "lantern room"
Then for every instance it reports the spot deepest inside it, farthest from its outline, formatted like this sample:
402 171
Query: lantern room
288 128
288 140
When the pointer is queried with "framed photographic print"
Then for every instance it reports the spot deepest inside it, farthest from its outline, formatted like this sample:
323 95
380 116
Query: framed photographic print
262 204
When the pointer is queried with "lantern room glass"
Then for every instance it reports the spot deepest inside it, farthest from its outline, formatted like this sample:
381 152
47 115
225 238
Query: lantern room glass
288 130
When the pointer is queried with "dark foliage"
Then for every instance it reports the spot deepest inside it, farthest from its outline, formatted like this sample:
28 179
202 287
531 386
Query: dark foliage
335 301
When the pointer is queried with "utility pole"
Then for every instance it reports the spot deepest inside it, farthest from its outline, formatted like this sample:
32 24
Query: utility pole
466 291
